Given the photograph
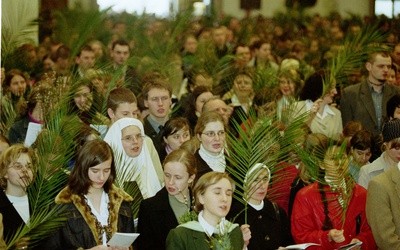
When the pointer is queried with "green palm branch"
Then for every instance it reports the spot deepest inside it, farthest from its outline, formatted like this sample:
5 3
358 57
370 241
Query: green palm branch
125 175
56 149
261 142
352 54
17 28
76 27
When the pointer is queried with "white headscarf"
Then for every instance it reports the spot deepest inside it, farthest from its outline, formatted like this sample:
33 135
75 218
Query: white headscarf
142 166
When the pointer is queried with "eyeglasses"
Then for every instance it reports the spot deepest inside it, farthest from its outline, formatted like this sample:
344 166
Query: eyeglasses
19 166
133 138
212 134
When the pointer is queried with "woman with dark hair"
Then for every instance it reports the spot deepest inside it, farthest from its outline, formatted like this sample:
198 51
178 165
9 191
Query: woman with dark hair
213 198
161 213
176 131
194 104
32 111
84 103
96 209
323 117
16 86
331 212
359 151
393 107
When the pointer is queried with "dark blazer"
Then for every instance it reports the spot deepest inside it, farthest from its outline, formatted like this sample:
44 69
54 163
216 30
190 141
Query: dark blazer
202 166
155 137
11 219
269 227
156 219
356 105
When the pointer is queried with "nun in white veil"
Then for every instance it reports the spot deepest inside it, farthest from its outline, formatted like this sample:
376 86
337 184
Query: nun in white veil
135 155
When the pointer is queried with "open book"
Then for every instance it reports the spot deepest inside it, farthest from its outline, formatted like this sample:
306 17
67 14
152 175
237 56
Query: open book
122 239
32 133
350 246
301 246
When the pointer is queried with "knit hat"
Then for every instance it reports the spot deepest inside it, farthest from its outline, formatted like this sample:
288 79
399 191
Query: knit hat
391 130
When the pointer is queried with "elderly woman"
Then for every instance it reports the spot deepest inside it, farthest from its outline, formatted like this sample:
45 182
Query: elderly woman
136 157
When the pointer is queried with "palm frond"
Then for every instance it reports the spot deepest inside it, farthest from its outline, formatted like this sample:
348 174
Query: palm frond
352 54
56 148
17 27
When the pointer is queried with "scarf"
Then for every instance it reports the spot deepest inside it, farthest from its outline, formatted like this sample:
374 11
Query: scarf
215 162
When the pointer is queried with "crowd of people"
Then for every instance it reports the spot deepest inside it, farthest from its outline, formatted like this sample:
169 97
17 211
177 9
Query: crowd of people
147 136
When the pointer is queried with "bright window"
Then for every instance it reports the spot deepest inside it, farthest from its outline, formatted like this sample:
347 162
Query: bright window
158 7
387 8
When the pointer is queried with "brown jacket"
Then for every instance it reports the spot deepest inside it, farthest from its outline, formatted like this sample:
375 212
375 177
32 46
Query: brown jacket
383 208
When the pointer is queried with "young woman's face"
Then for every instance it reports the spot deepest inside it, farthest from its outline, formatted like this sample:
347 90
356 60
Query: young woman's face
99 174
83 98
213 137
393 151
132 140
328 98
201 99
18 85
286 86
176 178
19 173
259 188
243 86
216 200
175 140
361 157
391 77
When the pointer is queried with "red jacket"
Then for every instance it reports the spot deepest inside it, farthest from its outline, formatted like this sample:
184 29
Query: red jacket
308 216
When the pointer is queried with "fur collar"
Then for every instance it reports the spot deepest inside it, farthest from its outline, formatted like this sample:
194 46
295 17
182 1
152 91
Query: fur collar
116 197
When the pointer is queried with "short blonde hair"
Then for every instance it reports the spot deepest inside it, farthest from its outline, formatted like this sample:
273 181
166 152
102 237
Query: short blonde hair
10 155
206 181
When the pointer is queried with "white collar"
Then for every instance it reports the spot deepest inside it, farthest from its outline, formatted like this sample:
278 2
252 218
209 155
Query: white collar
257 207
208 229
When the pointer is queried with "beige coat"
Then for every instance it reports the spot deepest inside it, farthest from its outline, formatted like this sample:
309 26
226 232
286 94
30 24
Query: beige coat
2 243
383 208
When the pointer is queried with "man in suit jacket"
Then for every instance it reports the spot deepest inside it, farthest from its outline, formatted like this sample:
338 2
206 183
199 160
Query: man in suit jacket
157 98
358 101
383 213
366 101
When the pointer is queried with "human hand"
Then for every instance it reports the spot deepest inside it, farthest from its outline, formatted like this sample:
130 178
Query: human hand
245 228
336 235
316 106
354 240
22 243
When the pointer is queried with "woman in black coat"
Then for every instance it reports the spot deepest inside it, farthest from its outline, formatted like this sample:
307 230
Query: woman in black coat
269 224
160 213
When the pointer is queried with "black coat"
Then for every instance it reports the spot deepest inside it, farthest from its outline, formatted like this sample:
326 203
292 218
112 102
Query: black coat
155 137
269 227
202 167
156 219
11 219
